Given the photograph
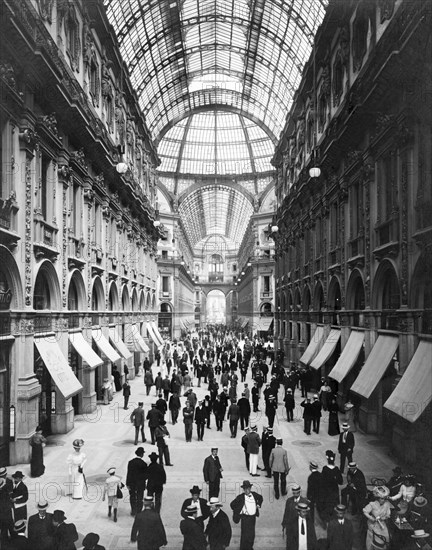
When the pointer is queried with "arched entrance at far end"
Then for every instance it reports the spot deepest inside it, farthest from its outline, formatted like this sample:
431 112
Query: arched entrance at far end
215 307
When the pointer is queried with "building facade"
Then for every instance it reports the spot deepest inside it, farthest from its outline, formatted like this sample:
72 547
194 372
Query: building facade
353 250
77 210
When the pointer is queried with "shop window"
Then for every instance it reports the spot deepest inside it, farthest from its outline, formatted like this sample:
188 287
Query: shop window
41 296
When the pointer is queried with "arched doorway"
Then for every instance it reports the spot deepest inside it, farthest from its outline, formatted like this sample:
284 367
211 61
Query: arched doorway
215 307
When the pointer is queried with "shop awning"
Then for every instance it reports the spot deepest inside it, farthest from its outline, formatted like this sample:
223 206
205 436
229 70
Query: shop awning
138 340
85 350
376 364
327 349
118 343
348 357
314 343
157 333
57 365
414 392
152 335
264 324
104 346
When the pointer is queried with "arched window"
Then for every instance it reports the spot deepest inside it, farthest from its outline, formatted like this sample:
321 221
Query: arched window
41 296
216 267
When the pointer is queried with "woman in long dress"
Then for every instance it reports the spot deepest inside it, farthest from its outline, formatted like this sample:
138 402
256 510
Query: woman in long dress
333 410
331 478
37 442
377 513
76 461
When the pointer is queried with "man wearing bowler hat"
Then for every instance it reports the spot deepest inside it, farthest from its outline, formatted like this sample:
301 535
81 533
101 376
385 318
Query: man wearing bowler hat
19 496
156 479
65 534
40 528
246 507
203 510
218 529
136 480
90 542
300 531
340 530
148 529
193 534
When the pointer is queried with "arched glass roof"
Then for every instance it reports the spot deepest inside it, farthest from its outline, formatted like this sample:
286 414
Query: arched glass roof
215 81
216 143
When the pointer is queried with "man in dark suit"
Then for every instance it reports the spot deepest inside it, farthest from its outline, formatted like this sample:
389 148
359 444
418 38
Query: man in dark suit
307 415
245 410
345 446
65 534
154 416
203 510
136 481
340 531
233 417
313 492
200 419
316 411
148 528
156 479
212 471
194 538
137 419
90 542
291 511
40 528
355 490
300 531
218 529
19 496
268 443
246 507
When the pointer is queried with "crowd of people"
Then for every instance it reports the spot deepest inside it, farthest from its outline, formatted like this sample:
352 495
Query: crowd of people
216 359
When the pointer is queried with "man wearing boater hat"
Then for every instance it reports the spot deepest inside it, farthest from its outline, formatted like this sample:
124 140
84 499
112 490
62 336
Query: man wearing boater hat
420 540
203 510
218 529
345 446
300 531
40 528
148 529
193 533
19 541
246 507
340 530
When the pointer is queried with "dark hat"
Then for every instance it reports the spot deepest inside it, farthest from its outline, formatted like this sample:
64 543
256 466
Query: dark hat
330 454
58 516
77 443
214 448
153 404
20 526
153 457
195 490
246 484
279 441
18 475
140 403
90 540
140 451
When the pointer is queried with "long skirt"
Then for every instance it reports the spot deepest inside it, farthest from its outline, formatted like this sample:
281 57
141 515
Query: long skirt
333 426
37 467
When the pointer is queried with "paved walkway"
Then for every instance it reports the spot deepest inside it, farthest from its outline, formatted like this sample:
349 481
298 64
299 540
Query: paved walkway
109 438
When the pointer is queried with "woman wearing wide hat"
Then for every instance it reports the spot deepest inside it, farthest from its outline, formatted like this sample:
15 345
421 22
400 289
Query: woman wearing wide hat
37 443
377 514
76 461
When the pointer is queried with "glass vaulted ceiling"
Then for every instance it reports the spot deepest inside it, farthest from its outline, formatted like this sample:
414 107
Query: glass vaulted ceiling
215 80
